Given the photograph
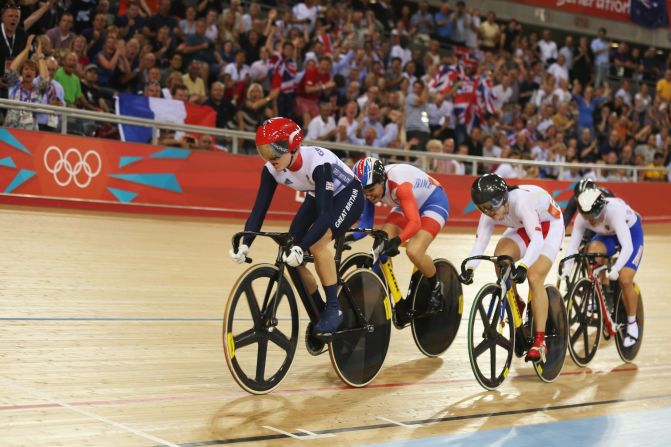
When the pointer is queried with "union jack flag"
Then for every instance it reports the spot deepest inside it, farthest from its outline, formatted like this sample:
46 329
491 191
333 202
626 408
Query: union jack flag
486 95
445 79
284 73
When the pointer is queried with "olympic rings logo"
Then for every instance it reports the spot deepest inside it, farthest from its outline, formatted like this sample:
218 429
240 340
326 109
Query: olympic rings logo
78 168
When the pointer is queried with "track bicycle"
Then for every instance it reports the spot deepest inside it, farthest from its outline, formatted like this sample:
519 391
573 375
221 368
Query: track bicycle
592 316
261 322
433 330
496 329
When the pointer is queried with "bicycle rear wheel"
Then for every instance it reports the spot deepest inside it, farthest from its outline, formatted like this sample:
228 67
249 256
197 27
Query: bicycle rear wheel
628 354
357 354
491 339
358 261
556 337
585 321
434 333
248 323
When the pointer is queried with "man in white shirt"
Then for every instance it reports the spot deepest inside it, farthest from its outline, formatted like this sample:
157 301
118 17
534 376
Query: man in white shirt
507 170
503 93
323 126
558 69
548 48
238 70
305 14
567 51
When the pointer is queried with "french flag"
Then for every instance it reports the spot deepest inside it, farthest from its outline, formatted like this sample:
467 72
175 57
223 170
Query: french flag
159 109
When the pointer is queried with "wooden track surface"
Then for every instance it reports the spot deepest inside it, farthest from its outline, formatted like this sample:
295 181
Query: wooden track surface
110 335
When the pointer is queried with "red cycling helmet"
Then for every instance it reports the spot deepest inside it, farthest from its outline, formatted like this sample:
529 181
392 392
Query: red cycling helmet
277 136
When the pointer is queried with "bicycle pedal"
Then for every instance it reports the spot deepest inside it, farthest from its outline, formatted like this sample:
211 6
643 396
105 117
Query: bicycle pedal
314 345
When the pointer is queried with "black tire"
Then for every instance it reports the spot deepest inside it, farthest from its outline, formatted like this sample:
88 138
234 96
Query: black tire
484 339
359 261
434 333
585 322
250 369
357 356
556 337
628 354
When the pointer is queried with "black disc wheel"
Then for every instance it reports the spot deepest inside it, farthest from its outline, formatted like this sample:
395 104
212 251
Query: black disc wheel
585 321
491 337
259 346
359 348
628 354
556 337
434 332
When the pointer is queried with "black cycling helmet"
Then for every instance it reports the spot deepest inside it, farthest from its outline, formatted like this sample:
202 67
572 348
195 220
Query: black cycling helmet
489 192
583 185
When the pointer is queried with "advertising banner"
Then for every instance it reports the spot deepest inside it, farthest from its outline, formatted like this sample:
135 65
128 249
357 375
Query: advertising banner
57 170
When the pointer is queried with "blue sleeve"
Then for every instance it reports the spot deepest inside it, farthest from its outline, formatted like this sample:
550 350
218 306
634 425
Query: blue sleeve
323 177
367 218
261 205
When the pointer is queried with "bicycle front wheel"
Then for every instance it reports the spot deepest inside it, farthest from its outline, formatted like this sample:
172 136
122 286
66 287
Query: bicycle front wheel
585 321
434 333
491 337
259 346
358 350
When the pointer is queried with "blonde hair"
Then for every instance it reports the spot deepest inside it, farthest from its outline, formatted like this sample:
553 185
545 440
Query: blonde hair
434 145
253 86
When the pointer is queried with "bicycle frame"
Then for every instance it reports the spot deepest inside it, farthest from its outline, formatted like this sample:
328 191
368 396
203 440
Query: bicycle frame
594 276
503 263
285 240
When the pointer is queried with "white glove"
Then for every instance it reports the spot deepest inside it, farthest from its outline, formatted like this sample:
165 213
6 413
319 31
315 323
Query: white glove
241 254
294 257
613 274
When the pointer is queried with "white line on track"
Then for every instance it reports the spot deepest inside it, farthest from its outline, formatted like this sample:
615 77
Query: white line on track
308 434
400 424
39 394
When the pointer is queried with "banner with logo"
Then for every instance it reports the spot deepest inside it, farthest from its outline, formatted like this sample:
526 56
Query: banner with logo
647 13
56 170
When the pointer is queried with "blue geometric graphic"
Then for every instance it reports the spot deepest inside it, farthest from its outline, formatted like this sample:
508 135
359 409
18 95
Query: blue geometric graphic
8 162
10 139
23 176
123 196
162 181
125 161
470 208
171 152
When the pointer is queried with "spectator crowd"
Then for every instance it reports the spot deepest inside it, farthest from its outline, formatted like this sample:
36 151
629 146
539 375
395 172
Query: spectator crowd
395 74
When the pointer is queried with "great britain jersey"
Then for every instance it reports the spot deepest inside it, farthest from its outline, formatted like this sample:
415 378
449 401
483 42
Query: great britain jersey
312 157
618 219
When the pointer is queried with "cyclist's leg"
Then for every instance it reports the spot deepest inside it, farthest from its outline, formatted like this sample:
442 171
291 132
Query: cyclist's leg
433 214
511 244
305 217
539 304
626 280
416 251
347 209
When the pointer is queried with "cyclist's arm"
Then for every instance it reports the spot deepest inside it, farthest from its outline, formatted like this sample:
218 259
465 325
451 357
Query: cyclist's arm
576 236
261 205
367 219
323 178
569 211
623 237
410 209
482 237
532 225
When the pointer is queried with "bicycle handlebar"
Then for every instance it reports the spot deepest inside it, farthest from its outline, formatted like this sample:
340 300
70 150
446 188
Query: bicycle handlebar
500 261
280 238
588 256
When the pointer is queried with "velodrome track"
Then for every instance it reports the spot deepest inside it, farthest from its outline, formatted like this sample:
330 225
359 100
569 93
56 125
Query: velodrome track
110 335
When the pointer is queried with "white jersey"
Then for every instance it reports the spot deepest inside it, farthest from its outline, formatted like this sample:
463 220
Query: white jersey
618 219
311 157
423 185
529 207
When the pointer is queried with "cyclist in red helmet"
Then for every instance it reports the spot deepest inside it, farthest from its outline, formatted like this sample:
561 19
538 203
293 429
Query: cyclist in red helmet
333 203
